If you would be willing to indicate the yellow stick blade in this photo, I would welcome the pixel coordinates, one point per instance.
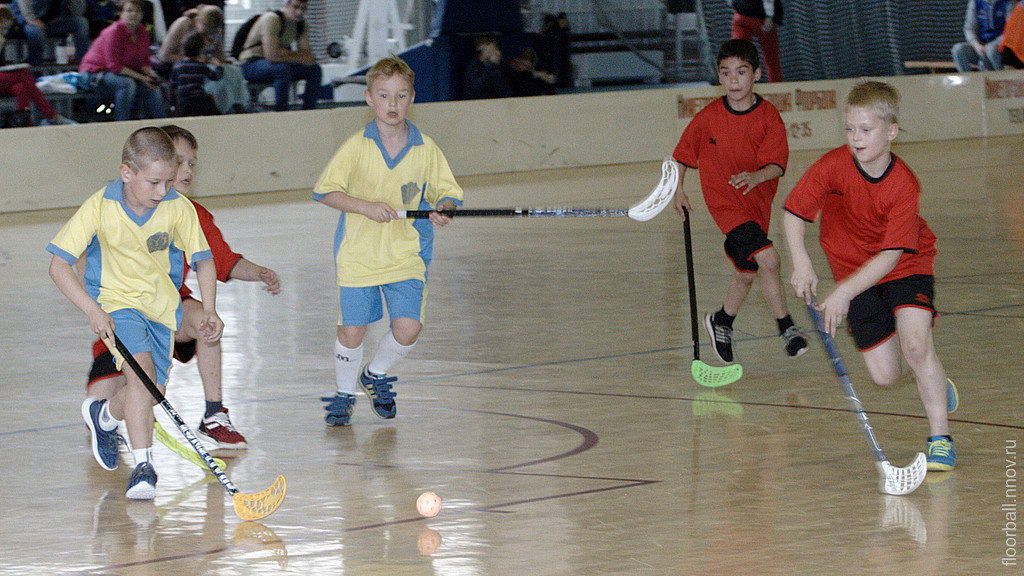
(712, 376)
(261, 504)
(178, 448)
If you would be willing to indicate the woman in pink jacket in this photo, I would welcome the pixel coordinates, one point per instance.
(118, 65)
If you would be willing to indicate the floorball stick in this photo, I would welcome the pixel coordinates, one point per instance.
(894, 480)
(178, 448)
(650, 207)
(703, 374)
(247, 506)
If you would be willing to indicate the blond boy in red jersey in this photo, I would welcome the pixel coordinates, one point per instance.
(882, 255)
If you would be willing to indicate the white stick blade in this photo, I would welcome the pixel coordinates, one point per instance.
(661, 196)
(900, 481)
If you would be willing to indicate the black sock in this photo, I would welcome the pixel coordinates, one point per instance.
(213, 407)
(723, 319)
(934, 438)
(784, 323)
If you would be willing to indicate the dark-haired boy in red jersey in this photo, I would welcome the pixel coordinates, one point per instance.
(739, 144)
(882, 256)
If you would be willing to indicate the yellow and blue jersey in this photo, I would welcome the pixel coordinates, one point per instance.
(369, 253)
(134, 261)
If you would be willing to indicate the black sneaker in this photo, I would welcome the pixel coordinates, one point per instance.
(721, 338)
(794, 341)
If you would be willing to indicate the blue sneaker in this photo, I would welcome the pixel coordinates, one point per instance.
(104, 442)
(378, 389)
(952, 397)
(941, 454)
(339, 408)
(142, 483)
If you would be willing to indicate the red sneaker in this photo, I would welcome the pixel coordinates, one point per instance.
(218, 431)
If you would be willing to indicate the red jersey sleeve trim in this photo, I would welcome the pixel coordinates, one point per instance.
(805, 219)
(783, 168)
(902, 249)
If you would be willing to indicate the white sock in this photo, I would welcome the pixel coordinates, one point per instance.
(106, 419)
(142, 455)
(346, 367)
(389, 352)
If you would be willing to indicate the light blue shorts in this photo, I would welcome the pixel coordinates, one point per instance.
(364, 306)
(140, 334)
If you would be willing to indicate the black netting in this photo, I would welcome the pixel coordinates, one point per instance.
(850, 38)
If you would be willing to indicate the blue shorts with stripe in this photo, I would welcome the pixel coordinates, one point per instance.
(364, 306)
(140, 334)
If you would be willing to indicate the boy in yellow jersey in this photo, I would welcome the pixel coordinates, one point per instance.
(387, 166)
(132, 231)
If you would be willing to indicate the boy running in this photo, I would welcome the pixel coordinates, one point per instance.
(882, 255)
(739, 144)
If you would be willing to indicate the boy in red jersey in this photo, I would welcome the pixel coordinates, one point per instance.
(739, 143)
(881, 252)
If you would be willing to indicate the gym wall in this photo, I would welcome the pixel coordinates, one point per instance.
(57, 167)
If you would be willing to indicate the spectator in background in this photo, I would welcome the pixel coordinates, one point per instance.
(983, 29)
(118, 66)
(229, 90)
(54, 18)
(19, 82)
(206, 20)
(187, 79)
(761, 19)
(553, 50)
(527, 80)
(1012, 47)
(486, 76)
(277, 50)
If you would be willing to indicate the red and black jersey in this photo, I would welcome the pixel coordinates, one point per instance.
(223, 257)
(721, 142)
(862, 216)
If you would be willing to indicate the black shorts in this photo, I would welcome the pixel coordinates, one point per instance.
(872, 316)
(103, 365)
(742, 242)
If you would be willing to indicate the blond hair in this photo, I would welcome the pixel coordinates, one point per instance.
(210, 15)
(389, 66)
(880, 97)
(148, 145)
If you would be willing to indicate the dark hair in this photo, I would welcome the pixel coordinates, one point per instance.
(179, 133)
(193, 44)
(742, 49)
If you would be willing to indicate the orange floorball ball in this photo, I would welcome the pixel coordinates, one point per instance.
(428, 504)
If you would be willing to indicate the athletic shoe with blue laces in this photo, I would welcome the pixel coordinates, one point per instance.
(339, 408)
(104, 442)
(952, 397)
(142, 483)
(378, 389)
(941, 454)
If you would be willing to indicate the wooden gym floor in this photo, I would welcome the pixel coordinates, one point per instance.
(548, 402)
